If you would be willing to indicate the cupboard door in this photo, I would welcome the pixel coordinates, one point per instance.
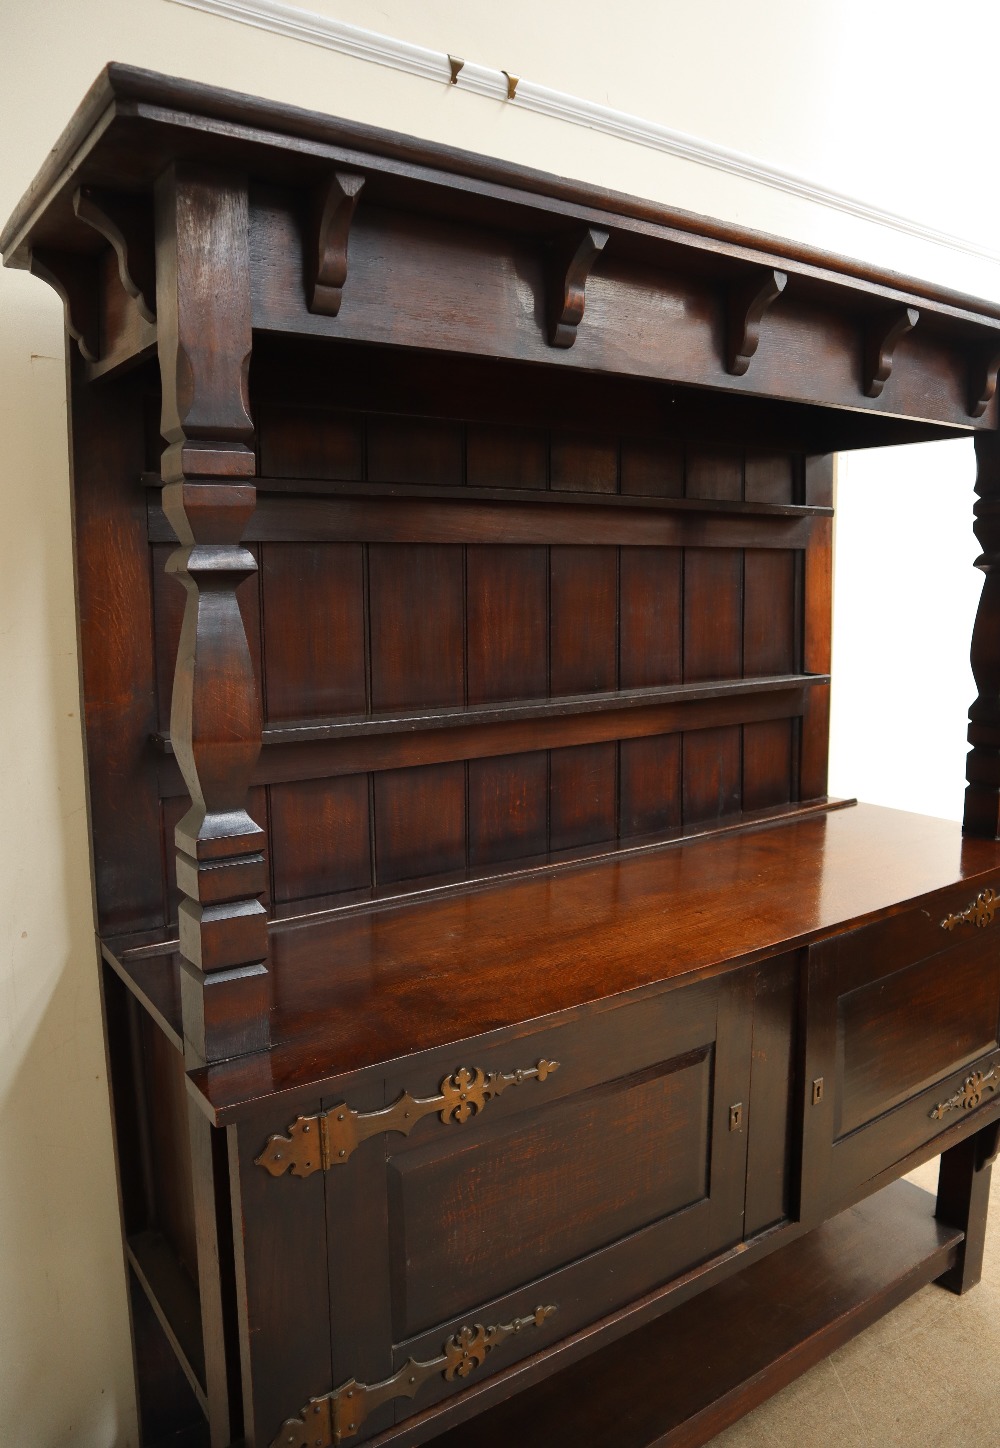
(903, 1040)
(536, 1186)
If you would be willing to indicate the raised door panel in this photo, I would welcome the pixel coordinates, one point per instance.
(903, 1020)
(514, 1193)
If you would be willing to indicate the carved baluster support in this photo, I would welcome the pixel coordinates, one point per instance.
(982, 798)
(204, 339)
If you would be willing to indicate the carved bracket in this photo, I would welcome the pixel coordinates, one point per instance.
(880, 344)
(970, 1094)
(72, 277)
(326, 262)
(316, 1143)
(569, 269)
(745, 308)
(127, 223)
(327, 1421)
(980, 913)
(983, 381)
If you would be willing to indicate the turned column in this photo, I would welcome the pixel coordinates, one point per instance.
(204, 343)
(982, 798)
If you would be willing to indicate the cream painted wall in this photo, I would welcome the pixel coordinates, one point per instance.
(890, 102)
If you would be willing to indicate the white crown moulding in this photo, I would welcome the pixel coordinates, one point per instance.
(306, 25)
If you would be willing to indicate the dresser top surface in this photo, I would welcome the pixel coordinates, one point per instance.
(357, 990)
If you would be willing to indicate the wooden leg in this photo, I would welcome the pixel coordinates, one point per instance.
(963, 1201)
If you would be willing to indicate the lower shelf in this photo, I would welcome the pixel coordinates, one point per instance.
(685, 1377)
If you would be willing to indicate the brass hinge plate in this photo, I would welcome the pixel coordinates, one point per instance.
(328, 1421)
(317, 1143)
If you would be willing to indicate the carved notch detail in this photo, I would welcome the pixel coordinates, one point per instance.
(127, 223)
(745, 308)
(335, 204)
(983, 382)
(327, 1421)
(316, 1143)
(569, 270)
(880, 344)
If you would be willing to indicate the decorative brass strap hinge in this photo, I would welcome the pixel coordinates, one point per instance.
(327, 1421)
(316, 1143)
(980, 913)
(970, 1093)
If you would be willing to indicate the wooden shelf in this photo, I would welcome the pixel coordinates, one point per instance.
(358, 989)
(521, 710)
(689, 1374)
(174, 1299)
(334, 487)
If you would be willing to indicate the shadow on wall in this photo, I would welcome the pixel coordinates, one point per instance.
(65, 1374)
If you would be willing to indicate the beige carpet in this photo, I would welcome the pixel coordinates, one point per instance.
(926, 1375)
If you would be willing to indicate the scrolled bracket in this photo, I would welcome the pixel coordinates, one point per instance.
(980, 913)
(326, 263)
(880, 345)
(326, 1422)
(127, 223)
(73, 278)
(746, 305)
(317, 1143)
(569, 268)
(983, 375)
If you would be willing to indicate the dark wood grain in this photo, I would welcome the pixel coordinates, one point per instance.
(712, 1359)
(518, 522)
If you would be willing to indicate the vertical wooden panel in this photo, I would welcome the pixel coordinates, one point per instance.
(320, 837)
(584, 463)
(416, 625)
(314, 645)
(507, 807)
(584, 605)
(769, 624)
(650, 785)
(713, 622)
(282, 1284)
(652, 468)
(508, 623)
(769, 1120)
(767, 763)
(307, 442)
(415, 450)
(769, 478)
(419, 821)
(815, 745)
(714, 473)
(819, 480)
(582, 795)
(651, 617)
(711, 773)
(506, 457)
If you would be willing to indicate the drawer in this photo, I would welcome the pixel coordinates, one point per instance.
(900, 1014)
(483, 1228)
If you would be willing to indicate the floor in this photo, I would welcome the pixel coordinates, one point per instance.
(926, 1375)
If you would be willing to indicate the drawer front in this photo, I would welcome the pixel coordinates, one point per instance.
(462, 1243)
(900, 1014)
